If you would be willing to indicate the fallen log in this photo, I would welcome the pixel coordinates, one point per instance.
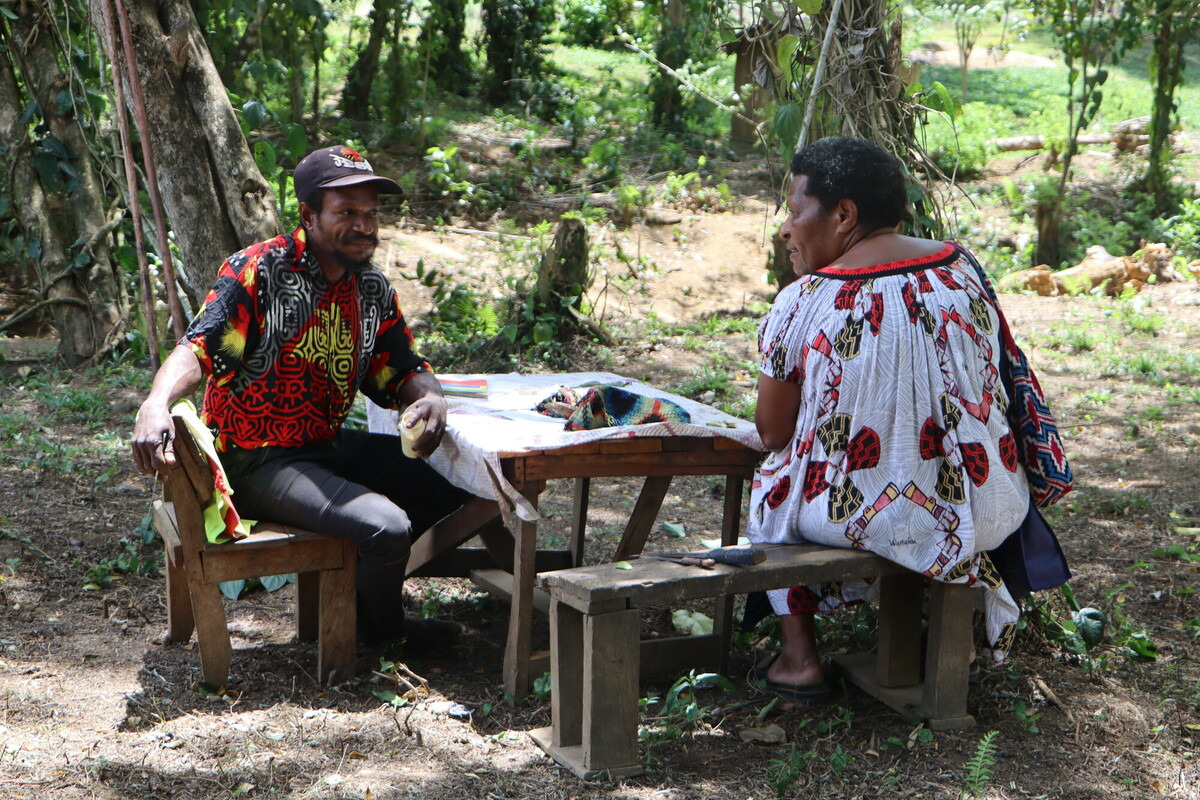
(1098, 269)
(1123, 141)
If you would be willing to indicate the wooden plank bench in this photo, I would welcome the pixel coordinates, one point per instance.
(597, 655)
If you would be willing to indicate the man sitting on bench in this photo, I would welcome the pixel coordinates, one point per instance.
(291, 330)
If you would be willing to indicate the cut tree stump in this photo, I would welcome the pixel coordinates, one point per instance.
(565, 264)
(564, 273)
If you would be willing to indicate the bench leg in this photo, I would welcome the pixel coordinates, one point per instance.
(180, 619)
(566, 674)
(212, 633)
(948, 655)
(594, 692)
(611, 660)
(308, 606)
(898, 655)
(338, 635)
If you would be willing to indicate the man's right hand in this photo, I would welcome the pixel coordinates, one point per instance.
(154, 439)
(154, 431)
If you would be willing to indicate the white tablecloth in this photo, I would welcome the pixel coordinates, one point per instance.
(478, 429)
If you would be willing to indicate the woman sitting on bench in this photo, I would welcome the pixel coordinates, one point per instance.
(881, 401)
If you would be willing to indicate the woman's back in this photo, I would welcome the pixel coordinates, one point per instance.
(901, 445)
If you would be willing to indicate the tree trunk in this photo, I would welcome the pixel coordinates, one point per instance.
(213, 192)
(231, 65)
(75, 268)
(565, 264)
(356, 96)
(1168, 52)
(667, 111)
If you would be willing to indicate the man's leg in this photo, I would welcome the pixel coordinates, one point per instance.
(377, 462)
(300, 486)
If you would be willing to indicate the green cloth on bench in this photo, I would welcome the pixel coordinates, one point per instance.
(222, 523)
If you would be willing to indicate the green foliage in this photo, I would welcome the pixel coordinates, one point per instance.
(514, 33)
(1091, 635)
(269, 583)
(959, 144)
(681, 708)
(129, 560)
(603, 160)
(1182, 231)
(440, 46)
(1118, 219)
(594, 23)
(979, 767)
(786, 768)
(462, 321)
(686, 43)
(447, 175)
(1027, 717)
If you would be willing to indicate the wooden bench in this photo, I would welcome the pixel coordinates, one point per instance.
(597, 655)
(325, 568)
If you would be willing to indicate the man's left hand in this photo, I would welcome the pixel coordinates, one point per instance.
(425, 401)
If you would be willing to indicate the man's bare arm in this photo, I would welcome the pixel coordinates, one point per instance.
(153, 433)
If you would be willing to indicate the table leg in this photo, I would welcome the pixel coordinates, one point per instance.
(644, 514)
(579, 512)
(520, 620)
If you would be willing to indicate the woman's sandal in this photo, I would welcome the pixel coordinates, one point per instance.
(801, 694)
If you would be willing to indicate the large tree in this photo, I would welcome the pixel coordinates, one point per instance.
(54, 183)
(215, 196)
(1174, 25)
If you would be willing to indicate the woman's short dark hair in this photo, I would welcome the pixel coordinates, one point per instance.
(840, 168)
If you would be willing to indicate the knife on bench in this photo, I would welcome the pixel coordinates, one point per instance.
(738, 556)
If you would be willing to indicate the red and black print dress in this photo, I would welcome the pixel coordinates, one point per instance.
(901, 447)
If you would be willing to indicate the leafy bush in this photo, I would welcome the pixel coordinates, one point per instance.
(1183, 230)
(514, 33)
(960, 147)
(593, 23)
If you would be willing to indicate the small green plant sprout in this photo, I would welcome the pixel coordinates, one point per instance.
(1027, 717)
(786, 768)
(542, 686)
(400, 685)
(979, 767)
(100, 576)
(631, 202)
(1100, 397)
(681, 707)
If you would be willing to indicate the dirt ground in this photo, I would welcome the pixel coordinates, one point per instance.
(93, 705)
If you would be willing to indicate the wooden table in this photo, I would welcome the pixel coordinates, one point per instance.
(510, 561)
(658, 460)
(498, 445)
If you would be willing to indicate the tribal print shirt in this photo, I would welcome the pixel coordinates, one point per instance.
(286, 352)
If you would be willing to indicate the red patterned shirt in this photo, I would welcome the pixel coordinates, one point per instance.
(286, 351)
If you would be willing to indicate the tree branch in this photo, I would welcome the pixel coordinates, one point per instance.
(53, 301)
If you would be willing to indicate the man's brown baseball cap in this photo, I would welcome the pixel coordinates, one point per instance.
(333, 167)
